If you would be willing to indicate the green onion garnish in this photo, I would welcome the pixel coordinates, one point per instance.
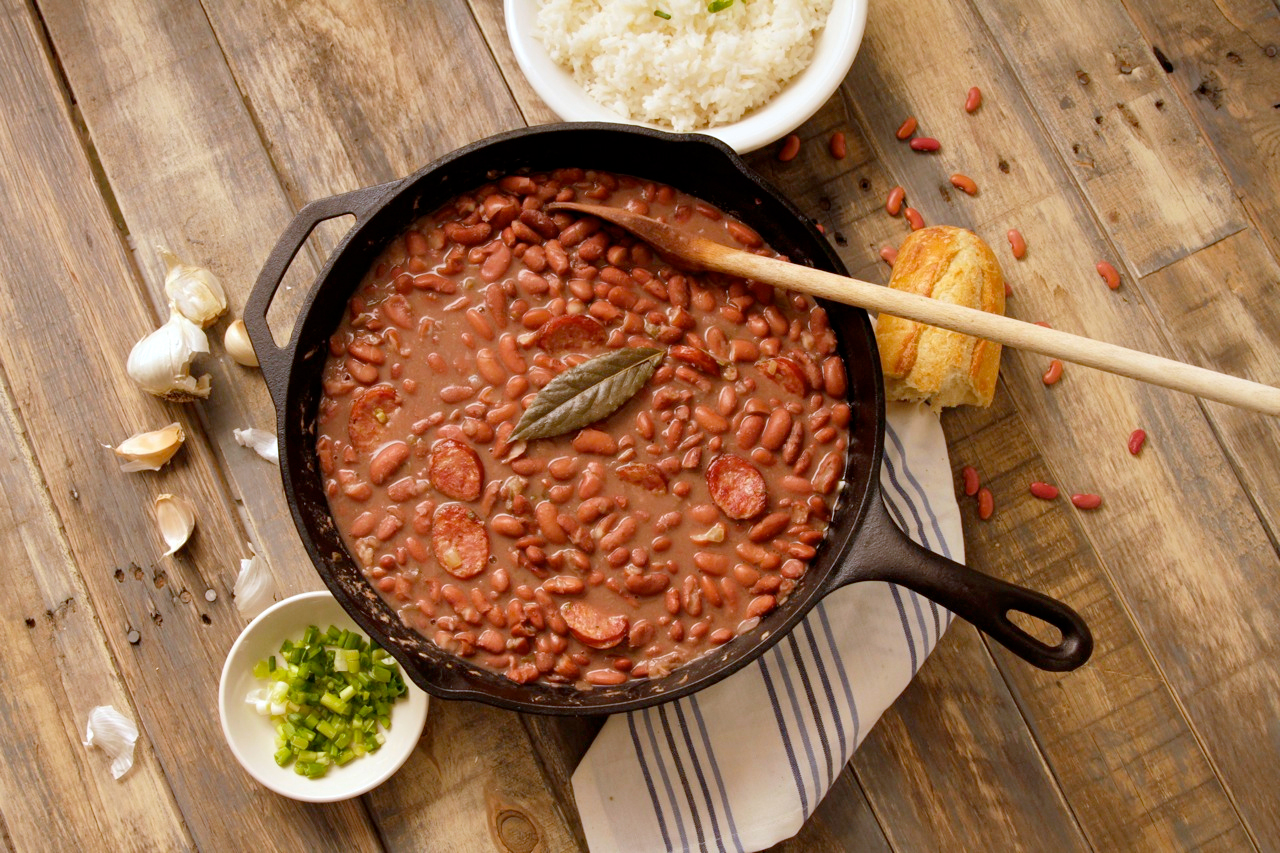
(327, 697)
(719, 5)
(666, 16)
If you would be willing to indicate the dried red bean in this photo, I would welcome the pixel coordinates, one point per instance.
(1109, 274)
(914, 218)
(964, 183)
(889, 255)
(1136, 440)
(790, 148)
(1054, 373)
(893, 202)
(970, 475)
(1017, 243)
(907, 128)
(986, 504)
(1086, 501)
(1044, 491)
(973, 100)
(925, 143)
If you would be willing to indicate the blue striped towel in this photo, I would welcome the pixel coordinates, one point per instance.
(742, 764)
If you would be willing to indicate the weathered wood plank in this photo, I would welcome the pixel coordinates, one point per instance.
(1223, 60)
(53, 793)
(64, 356)
(843, 821)
(489, 16)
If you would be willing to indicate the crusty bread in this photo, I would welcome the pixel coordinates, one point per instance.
(927, 363)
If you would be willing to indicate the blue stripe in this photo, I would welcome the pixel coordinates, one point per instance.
(666, 782)
(818, 722)
(906, 626)
(784, 671)
(840, 671)
(715, 770)
(924, 632)
(648, 780)
(786, 737)
(684, 779)
(924, 498)
(819, 664)
(921, 536)
(937, 621)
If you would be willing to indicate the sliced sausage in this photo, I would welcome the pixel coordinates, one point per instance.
(591, 627)
(701, 359)
(369, 416)
(786, 373)
(736, 487)
(643, 474)
(455, 470)
(459, 540)
(571, 333)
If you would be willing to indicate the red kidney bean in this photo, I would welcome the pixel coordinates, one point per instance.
(761, 605)
(838, 146)
(776, 429)
(833, 377)
(907, 128)
(970, 476)
(1109, 274)
(743, 234)
(720, 636)
(893, 202)
(595, 441)
(964, 183)
(1044, 491)
(1136, 439)
(790, 148)
(913, 218)
(986, 503)
(386, 461)
(1017, 243)
(925, 143)
(768, 527)
(1086, 501)
(710, 420)
(973, 100)
(1054, 373)
(363, 525)
(889, 255)
(743, 350)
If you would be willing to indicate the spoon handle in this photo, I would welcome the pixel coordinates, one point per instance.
(1019, 334)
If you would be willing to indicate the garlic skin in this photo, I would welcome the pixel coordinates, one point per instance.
(255, 589)
(161, 362)
(115, 734)
(177, 518)
(149, 451)
(238, 345)
(260, 441)
(193, 291)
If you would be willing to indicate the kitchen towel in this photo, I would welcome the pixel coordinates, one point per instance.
(740, 766)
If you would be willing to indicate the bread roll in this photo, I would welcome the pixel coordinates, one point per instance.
(927, 363)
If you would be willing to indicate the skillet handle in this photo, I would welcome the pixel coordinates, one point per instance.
(883, 552)
(275, 361)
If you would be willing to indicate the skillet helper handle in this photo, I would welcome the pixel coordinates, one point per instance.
(979, 599)
(274, 360)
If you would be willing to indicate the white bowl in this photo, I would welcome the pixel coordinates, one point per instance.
(252, 736)
(784, 112)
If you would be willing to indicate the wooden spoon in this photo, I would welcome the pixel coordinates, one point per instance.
(701, 253)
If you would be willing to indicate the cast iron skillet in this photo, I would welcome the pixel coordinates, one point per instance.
(862, 542)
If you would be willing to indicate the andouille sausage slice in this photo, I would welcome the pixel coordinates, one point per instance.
(643, 474)
(369, 416)
(737, 487)
(591, 627)
(786, 373)
(455, 470)
(571, 333)
(459, 540)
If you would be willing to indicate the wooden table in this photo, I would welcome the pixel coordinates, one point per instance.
(1146, 133)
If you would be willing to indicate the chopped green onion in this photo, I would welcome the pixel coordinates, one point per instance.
(327, 696)
(719, 5)
(658, 13)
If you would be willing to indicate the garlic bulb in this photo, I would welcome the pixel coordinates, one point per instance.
(238, 345)
(255, 589)
(161, 362)
(148, 451)
(177, 519)
(260, 441)
(115, 734)
(193, 291)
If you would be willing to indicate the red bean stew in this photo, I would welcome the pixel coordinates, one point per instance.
(617, 551)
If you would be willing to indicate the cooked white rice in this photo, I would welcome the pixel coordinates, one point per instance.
(696, 70)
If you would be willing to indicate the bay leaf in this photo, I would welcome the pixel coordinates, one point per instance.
(587, 393)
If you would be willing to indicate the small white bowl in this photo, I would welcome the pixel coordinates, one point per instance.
(784, 112)
(252, 736)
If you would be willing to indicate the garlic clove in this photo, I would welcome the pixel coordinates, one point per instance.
(255, 589)
(177, 519)
(260, 441)
(161, 362)
(193, 291)
(238, 345)
(149, 451)
(115, 734)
